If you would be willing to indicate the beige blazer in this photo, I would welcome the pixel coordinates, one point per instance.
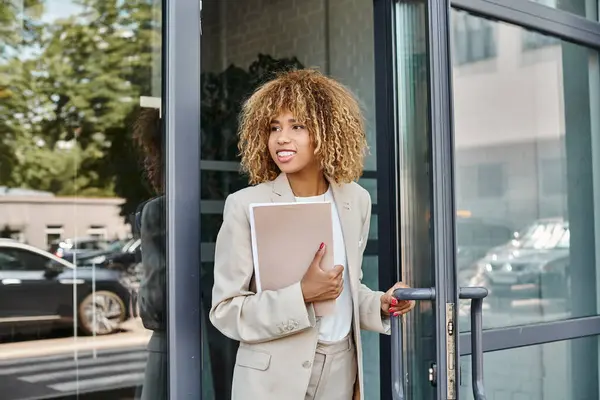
(277, 331)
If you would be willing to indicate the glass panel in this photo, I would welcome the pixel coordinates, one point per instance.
(243, 46)
(81, 150)
(566, 370)
(583, 8)
(415, 189)
(527, 152)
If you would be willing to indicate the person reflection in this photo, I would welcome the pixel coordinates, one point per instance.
(150, 220)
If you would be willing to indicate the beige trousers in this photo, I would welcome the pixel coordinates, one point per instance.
(334, 371)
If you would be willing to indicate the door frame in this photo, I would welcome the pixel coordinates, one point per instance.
(442, 206)
(387, 169)
(181, 29)
(524, 13)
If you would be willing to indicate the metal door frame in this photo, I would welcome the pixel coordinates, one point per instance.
(181, 102)
(440, 113)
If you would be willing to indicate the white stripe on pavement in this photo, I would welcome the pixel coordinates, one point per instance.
(69, 356)
(131, 379)
(75, 373)
(70, 363)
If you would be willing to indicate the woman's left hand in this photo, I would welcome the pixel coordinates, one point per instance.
(389, 305)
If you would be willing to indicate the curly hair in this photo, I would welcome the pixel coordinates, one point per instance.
(147, 135)
(329, 111)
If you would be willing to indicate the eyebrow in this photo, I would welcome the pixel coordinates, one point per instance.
(291, 120)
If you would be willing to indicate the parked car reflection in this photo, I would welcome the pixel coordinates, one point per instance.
(122, 256)
(37, 292)
(68, 249)
(474, 239)
(535, 265)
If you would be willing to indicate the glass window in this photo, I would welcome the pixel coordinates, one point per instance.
(473, 39)
(582, 8)
(490, 180)
(9, 262)
(532, 40)
(538, 372)
(553, 177)
(81, 151)
(243, 47)
(530, 126)
(30, 261)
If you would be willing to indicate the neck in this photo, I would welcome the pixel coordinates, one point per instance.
(305, 185)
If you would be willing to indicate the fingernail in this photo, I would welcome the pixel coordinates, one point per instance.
(397, 313)
(390, 310)
(321, 246)
(394, 301)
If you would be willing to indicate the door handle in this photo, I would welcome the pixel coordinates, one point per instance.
(11, 281)
(398, 375)
(476, 295)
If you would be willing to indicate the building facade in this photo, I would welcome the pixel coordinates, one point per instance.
(40, 220)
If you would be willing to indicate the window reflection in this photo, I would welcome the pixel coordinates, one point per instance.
(538, 372)
(74, 77)
(525, 158)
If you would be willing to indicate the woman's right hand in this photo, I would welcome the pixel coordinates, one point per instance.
(320, 285)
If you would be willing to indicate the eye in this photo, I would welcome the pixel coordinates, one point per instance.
(298, 127)
(275, 128)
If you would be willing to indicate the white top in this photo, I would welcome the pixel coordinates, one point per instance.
(335, 327)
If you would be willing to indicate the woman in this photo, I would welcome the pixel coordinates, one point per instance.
(302, 138)
(148, 135)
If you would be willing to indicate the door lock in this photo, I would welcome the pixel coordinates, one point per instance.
(450, 353)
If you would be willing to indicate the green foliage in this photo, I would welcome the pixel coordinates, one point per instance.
(67, 87)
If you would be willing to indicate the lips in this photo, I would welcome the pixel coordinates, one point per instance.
(285, 156)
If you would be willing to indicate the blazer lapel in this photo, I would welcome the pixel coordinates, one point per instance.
(282, 192)
(350, 229)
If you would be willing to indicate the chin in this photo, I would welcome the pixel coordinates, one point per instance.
(288, 169)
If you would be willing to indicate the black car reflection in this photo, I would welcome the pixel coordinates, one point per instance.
(70, 249)
(536, 265)
(124, 257)
(40, 291)
(474, 239)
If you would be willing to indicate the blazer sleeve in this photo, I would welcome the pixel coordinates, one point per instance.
(369, 301)
(238, 312)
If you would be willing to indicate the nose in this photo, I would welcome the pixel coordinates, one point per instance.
(283, 138)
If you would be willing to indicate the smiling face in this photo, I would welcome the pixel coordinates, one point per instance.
(291, 146)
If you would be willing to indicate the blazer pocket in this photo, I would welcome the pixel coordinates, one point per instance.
(253, 359)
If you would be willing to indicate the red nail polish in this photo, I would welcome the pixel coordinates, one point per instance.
(390, 310)
(394, 301)
(321, 246)
(397, 313)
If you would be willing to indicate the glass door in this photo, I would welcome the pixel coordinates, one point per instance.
(495, 123)
(427, 213)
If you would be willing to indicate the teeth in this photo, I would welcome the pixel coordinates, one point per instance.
(285, 153)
